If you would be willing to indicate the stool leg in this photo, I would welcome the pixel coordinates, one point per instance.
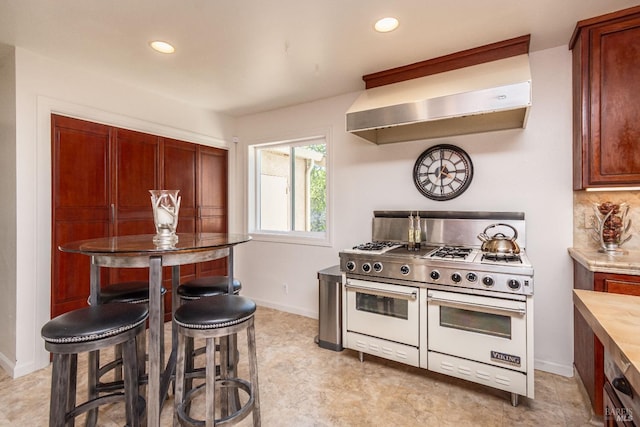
(224, 374)
(253, 373)
(117, 351)
(130, 368)
(189, 364)
(141, 343)
(94, 365)
(60, 377)
(232, 363)
(73, 378)
(210, 414)
(179, 380)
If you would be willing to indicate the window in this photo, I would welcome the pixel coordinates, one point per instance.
(288, 191)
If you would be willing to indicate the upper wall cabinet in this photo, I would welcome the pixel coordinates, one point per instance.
(606, 100)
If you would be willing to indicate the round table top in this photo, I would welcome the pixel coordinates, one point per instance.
(142, 244)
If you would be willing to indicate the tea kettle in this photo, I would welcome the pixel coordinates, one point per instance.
(499, 243)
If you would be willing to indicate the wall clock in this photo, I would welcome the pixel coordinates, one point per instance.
(443, 172)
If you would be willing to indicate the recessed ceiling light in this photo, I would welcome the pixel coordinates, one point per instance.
(385, 25)
(162, 47)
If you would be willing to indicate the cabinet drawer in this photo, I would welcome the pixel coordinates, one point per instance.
(622, 287)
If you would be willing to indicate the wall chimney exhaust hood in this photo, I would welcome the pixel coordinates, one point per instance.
(486, 97)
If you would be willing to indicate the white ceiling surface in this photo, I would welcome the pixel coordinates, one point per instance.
(245, 56)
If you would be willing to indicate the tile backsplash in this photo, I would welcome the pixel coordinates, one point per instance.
(583, 210)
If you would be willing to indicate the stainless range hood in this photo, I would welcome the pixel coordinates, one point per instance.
(480, 98)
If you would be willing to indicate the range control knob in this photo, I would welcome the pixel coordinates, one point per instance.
(472, 277)
(366, 267)
(435, 275)
(456, 277)
(488, 281)
(377, 267)
(513, 284)
(351, 265)
(404, 269)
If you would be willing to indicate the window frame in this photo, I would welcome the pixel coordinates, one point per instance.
(253, 193)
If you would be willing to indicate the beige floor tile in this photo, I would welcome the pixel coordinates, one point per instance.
(302, 385)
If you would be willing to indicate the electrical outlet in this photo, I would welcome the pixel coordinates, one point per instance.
(285, 288)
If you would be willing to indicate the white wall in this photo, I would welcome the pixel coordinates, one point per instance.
(517, 170)
(44, 86)
(8, 197)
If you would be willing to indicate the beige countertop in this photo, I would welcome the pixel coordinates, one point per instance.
(615, 320)
(592, 260)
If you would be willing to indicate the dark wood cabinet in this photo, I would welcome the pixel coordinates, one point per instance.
(81, 204)
(101, 177)
(606, 106)
(588, 352)
(212, 202)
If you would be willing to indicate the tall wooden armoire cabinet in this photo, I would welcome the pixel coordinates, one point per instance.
(100, 180)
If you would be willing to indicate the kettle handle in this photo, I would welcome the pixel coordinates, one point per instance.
(515, 232)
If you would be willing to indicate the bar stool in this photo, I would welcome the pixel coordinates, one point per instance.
(203, 287)
(86, 330)
(135, 292)
(218, 317)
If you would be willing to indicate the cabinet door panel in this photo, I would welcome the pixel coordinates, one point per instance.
(136, 172)
(615, 85)
(80, 204)
(179, 171)
(212, 201)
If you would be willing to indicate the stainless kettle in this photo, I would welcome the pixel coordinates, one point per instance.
(499, 243)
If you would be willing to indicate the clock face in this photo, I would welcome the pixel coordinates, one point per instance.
(443, 172)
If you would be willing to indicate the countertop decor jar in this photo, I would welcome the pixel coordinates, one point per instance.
(610, 225)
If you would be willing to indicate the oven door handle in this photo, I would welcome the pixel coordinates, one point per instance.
(478, 307)
(413, 295)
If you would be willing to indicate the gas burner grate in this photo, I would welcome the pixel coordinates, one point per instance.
(505, 258)
(374, 246)
(451, 252)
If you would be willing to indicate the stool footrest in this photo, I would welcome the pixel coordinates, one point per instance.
(228, 383)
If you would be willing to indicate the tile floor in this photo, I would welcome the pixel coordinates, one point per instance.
(303, 385)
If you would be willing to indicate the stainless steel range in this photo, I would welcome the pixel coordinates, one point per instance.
(461, 305)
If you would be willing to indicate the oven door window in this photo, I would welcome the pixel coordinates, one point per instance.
(385, 306)
(474, 321)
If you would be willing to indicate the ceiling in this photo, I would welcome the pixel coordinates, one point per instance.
(245, 56)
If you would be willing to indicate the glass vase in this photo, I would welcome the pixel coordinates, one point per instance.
(166, 205)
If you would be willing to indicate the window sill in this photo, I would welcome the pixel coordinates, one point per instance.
(290, 238)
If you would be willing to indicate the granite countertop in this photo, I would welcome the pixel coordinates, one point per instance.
(625, 263)
(614, 319)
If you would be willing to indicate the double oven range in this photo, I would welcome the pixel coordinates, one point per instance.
(448, 307)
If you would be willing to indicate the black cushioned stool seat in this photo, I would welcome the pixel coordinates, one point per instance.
(87, 330)
(207, 287)
(136, 292)
(216, 317)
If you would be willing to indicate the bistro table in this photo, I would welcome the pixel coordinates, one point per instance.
(140, 251)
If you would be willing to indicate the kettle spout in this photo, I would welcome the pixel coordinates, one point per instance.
(483, 237)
